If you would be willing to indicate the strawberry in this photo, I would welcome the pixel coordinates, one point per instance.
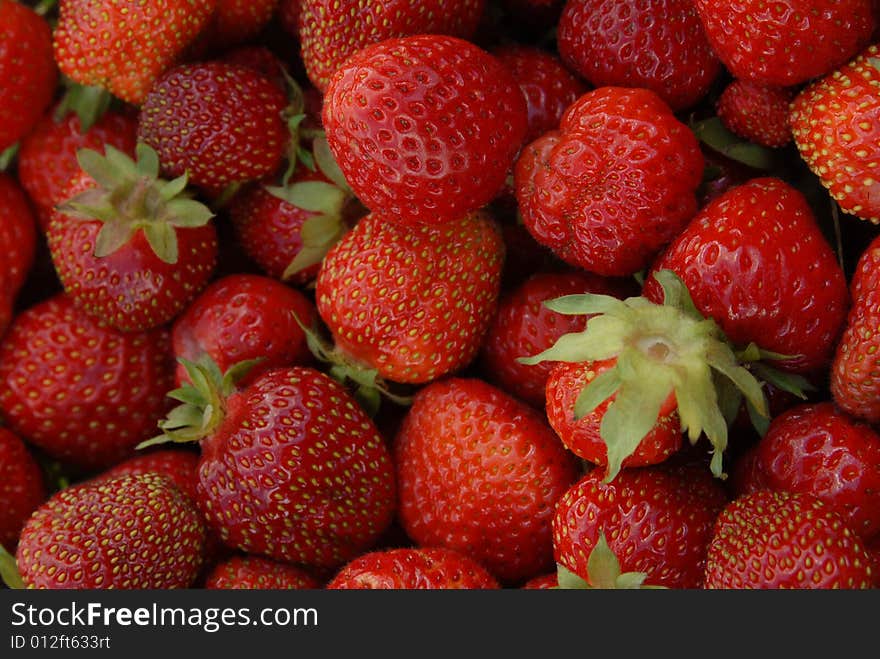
(659, 45)
(330, 31)
(656, 521)
(411, 303)
(260, 59)
(761, 232)
(836, 122)
(614, 184)
(122, 45)
(18, 242)
(291, 467)
(28, 74)
(129, 247)
(855, 386)
(177, 465)
(756, 112)
(523, 326)
(83, 392)
(258, 573)
(424, 128)
(241, 317)
(480, 472)
(133, 532)
(22, 487)
(548, 581)
(288, 16)
(786, 42)
(405, 568)
(234, 22)
(47, 158)
(784, 540)
(217, 122)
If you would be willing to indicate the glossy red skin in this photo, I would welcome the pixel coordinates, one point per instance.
(755, 260)
(240, 317)
(297, 471)
(257, 573)
(523, 327)
(133, 532)
(178, 465)
(785, 42)
(548, 86)
(261, 59)
(818, 449)
(836, 126)
(854, 384)
(28, 74)
(480, 472)
(83, 392)
(219, 122)
(543, 582)
(655, 521)
(236, 21)
(18, 242)
(412, 302)
(614, 185)
(47, 158)
(756, 112)
(424, 128)
(773, 540)
(330, 31)
(583, 437)
(132, 288)
(656, 44)
(417, 568)
(22, 487)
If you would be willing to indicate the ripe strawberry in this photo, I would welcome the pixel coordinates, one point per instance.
(756, 112)
(615, 184)
(18, 242)
(786, 42)
(242, 317)
(836, 124)
(542, 582)
(131, 248)
(234, 22)
(656, 521)
(177, 465)
(291, 467)
(28, 74)
(429, 568)
(756, 262)
(133, 532)
(656, 44)
(784, 540)
(411, 302)
(480, 472)
(258, 573)
(22, 487)
(260, 59)
(523, 326)
(424, 128)
(330, 31)
(47, 158)
(83, 392)
(123, 46)
(855, 386)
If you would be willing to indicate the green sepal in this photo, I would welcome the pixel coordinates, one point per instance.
(327, 163)
(89, 103)
(9, 571)
(600, 389)
(568, 580)
(715, 135)
(603, 569)
(312, 196)
(7, 157)
(875, 62)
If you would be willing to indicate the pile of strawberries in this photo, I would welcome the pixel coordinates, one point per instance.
(440, 294)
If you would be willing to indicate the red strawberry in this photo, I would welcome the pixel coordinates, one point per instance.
(615, 184)
(257, 573)
(27, 70)
(656, 44)
(784, 540)
(18, 242)
(217, 122)
(260, 59)
(756, 262)
(234, 22)
(836, 126)
(655, 521)
(424, 128)
(133, 532)
(22, 487)
(542, 582)
(480, 472)
(756, 112)
(83, 392)
(123, 46)
(131, 248)
(854, 384)
(786, 42)
(330, 31)
(177, 465)
(429, 568)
